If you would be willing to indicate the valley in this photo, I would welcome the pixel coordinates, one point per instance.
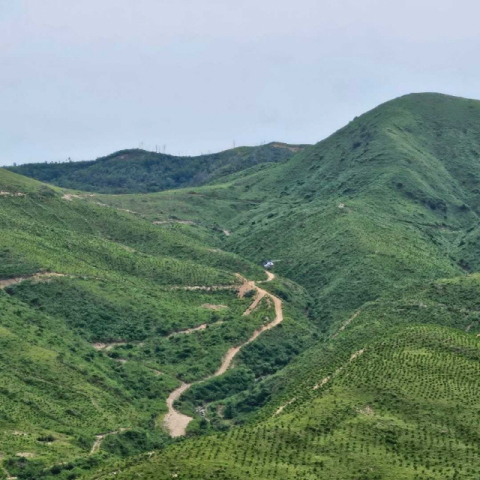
(142, 337)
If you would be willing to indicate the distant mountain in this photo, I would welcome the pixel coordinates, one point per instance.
(140, 171)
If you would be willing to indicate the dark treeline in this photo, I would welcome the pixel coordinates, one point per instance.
(140, 171)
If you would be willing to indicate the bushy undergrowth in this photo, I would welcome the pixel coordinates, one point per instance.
(400, 407)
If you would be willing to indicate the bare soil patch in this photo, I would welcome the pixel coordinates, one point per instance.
(367, 410)
(70, 196)
(345, 325)
(280, 409)
(12, 194)
(321, 383)
(211, 306)
(38, 277)
(99, 439)
(107, 346)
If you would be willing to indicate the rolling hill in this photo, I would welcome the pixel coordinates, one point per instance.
(388, 201)
(373, 372)
(140, 171)
(97, 309)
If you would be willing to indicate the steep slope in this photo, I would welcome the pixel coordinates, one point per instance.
(388, 201)
(380, 204)
(130, 171)
(102, 315)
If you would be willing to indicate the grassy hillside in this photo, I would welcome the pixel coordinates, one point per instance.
(95, 306)
(130, 171)
(386, 202)
(371, 375)
(393, 396)
(379, 205)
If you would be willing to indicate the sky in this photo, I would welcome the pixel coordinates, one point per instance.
(82, 79)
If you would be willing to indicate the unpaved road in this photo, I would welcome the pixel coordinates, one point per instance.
(176, 422)
(37, 277)
(187, 331)
(203, 287)
(270, 276)
(184, 222)
(99, 439)
(261, 293)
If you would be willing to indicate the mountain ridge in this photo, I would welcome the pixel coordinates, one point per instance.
(141, 171)
(373, 373)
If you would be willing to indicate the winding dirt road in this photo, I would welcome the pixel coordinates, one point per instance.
(175, 422)
(188, 331)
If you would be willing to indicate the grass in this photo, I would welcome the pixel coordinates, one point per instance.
(55, 384)
(373, 373)
(377, 418)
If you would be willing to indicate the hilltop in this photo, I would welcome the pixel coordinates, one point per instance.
(388, 201)
(141, 171)
(370, 368)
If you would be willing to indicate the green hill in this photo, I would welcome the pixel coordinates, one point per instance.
(381, 204)
(373, 373)
(91, 298)
(135, 170)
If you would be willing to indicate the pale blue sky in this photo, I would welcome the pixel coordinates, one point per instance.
(81, 79)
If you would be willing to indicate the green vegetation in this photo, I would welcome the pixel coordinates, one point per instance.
(54, 384)
(386, 202)
(100, 310)
(394, 395)
(373, 373)
(130, 171)
(91, 301)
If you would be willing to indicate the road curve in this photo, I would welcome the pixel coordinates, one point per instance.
(174, 421)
